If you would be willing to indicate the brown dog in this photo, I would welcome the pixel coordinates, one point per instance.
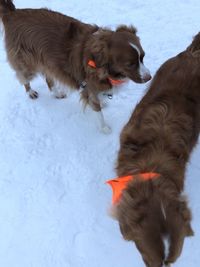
(157, 142)
(71, 52)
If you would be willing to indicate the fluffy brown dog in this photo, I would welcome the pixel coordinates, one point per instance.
(71, 52)
(158, 139)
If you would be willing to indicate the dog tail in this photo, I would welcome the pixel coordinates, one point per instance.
(6, 6)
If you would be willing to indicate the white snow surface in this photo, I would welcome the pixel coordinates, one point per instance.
(54, 160)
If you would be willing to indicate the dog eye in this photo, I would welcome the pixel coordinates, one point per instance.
(117, 74)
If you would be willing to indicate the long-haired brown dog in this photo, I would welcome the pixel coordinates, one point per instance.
(155, 146)
(71, 52)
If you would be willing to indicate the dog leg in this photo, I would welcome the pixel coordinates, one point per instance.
(50, 83)
(32, 94)
(57, 92)
(92, 99)
(24, 78)
(104, 127)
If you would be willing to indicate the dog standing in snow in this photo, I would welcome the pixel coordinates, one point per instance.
(155, 146)
(73, 53)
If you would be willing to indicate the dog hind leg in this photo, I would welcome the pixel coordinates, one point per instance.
(32, 94)
(57, 89)
(25, 78)
(50, 83)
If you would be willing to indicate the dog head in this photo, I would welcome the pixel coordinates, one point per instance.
(118, 55)
(181, 72)
(146, 216)
(127, 55)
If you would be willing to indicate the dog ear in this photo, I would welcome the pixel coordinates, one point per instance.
(178, 218)
(124, 28)
(72, 30)
(97, 51)
(195, 45)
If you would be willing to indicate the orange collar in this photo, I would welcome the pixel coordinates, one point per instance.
(92, 64)
(120, 183)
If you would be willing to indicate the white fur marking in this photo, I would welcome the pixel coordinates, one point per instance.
(59, 93)
(163, 211)
(60, 90)
(143, 71)
(104, 127)
(136, 48)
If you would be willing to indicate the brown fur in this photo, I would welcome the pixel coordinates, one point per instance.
(159, 137)
(195, 45)
(58, 46)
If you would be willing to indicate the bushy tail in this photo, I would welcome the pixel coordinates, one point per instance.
(6, 6)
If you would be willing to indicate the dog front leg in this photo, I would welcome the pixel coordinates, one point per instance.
(92, 99)
(104, 127)
(96, 106)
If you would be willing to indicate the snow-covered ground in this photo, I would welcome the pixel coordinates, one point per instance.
(54, 160)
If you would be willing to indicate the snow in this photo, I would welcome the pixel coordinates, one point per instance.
(54, 160)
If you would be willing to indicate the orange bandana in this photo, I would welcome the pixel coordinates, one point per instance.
(120, 183)
(92, 64)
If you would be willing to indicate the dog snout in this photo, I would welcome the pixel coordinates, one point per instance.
(144, 73)
(146, 77)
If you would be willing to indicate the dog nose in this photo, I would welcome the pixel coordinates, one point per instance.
(144, 73)
(147, 77)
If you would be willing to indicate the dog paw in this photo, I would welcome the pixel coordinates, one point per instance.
(60, 95)
(103, 104)
(33, 94)
(106, 129)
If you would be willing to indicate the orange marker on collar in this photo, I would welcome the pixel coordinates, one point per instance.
(120, 183)
(92, 64)
(116, 82)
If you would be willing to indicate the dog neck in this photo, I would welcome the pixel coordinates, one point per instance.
(113, 82)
